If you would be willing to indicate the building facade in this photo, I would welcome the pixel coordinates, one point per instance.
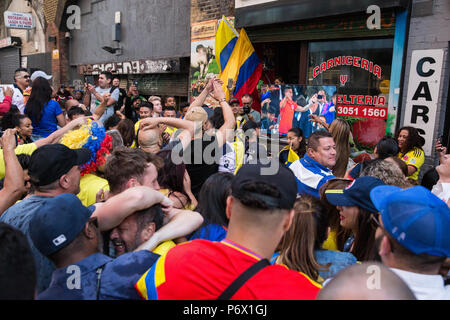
(366, 49)
(22, 46)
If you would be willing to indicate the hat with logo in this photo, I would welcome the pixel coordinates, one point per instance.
(414, 217)
(356, 194)
(41, 74)
(57, 222)
(272, 174)
(48, 163)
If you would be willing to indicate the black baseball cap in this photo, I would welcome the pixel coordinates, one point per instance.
(48, 163)
(272, 174)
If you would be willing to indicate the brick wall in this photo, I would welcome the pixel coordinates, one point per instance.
(429, 30)
(203, 10)
(60, 67)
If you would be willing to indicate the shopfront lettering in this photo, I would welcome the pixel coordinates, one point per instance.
(348, 61)
(130, 67)
(423, 92)
(361, 100)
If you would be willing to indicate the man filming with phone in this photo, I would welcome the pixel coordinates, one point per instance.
(247, 112)
(94, 96)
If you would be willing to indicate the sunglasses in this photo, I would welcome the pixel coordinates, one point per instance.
(26, 77)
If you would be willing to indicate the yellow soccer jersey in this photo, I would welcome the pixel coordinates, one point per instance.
(415, 158)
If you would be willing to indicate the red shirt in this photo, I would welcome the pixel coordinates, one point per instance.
(286, 116)
(202, 270)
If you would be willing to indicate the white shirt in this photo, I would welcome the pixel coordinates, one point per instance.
(18, 99)
(442, 190)
(425, 286)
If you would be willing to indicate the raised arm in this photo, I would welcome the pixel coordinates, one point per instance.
(185, 136)
(226, 131)
(57, 135)
(13, 186)
(199, 101)
(183, 222)
(112, 212)
(102, 107)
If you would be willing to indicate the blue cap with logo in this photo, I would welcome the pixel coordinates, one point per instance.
(414, 217)
(356, 194)
(57, 222)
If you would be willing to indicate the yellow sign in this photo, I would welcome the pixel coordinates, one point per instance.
(55, 54)
(384, 86)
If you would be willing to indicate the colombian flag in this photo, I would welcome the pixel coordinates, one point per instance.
(226, 38)
(292, 156)
(243, 66)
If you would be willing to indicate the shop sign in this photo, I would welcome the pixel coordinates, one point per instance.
(18, 20)
(131, 67)
(361, 106)
(348, 61)
(423, 93)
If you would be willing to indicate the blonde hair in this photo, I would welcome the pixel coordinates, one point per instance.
(154, 98)
(340, 130)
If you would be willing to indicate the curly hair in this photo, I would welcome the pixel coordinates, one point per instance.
(385, 171)
(414, 139)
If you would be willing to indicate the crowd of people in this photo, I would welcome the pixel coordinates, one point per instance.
(107, 194)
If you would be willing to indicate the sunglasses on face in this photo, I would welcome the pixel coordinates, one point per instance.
(26, 77)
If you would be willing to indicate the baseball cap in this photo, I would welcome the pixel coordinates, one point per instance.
(57, 222)
(234, 100)
(414, 217)
(41, 74)
(48, 163)
(196, 114)
(356, 194)
(283, 180)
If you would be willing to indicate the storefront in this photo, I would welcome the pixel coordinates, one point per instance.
(162, 77)
(298, 44)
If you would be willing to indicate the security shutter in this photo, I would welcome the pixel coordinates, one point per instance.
(9, 62)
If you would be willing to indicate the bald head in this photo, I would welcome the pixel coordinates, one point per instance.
(150, 139)
(366, 281)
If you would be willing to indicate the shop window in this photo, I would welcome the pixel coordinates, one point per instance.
(372, 67)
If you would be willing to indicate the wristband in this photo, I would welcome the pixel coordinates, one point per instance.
(222, 100)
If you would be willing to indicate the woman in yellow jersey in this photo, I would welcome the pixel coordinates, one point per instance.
(410, 145)
(301, 246)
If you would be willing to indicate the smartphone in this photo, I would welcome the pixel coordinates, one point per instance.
(319, 96)
(441, 139)
(89, 80)
(136, 83)
(230, 83)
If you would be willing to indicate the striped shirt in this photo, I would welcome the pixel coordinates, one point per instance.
(310, 175)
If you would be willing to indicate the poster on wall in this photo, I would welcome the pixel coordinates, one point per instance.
(203, 61)
(292, 106)
(367, 115)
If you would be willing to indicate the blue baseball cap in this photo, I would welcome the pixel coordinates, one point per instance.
(356, 194)
(414, 217)
(57, 222)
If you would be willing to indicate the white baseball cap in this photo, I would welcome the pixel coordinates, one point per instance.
(42, 74)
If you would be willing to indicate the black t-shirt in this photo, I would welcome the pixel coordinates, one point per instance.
(201, 161)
